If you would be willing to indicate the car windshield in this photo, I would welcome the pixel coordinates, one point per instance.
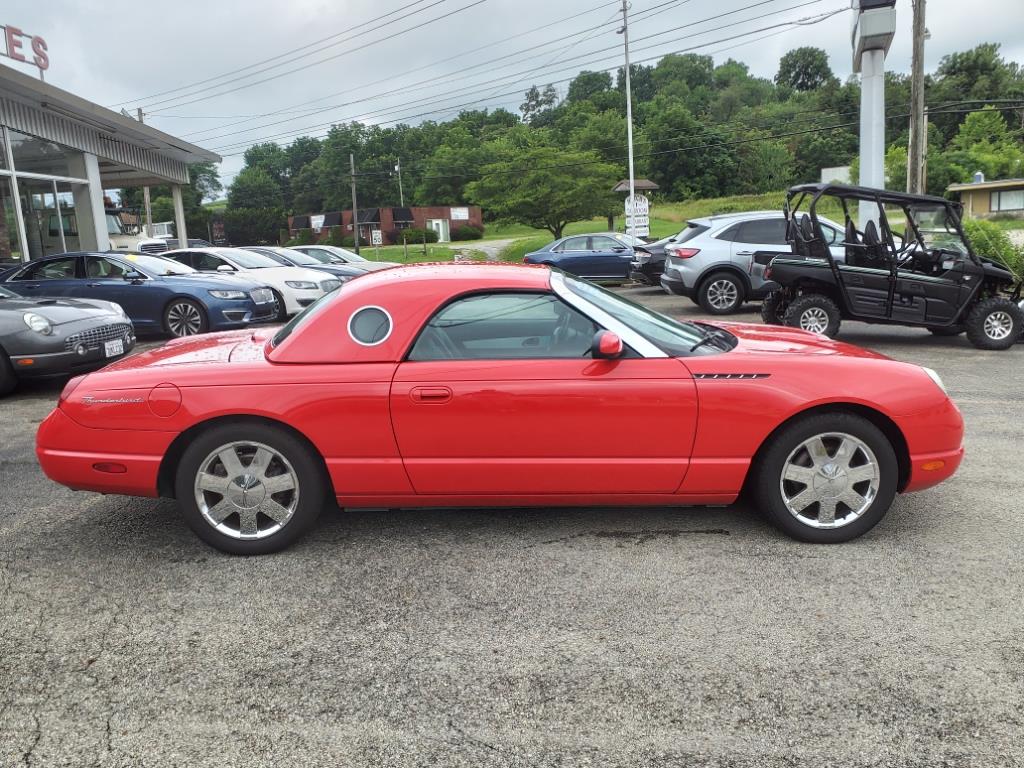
(158, 266)
(622, 237)
(936, 227)
(670, 336)
(246, 259)
(296, 257)
(344, 255)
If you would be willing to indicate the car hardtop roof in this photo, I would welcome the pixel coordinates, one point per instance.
(715, 218)
(870, 193)
(484, 274)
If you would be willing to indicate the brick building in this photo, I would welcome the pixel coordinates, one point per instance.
(443, 219)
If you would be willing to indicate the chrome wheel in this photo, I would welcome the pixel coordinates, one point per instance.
(723, 294)
(830, 480)
(184, 319)
(246, 490)
(998, 325)
(814, 319)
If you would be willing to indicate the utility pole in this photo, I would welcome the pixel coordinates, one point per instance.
(145, 201)
(401, 194)
(629, 99)
(355, 205)
(918, 124)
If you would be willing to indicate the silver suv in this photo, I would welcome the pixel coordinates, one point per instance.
(712, 260)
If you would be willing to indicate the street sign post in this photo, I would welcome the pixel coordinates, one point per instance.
(638, 220)
(376, 239)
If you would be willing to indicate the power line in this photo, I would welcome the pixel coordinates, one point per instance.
(510, 79)
(279, 56)
(346, 52)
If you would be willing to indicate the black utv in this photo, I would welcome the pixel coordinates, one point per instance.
(907, 262)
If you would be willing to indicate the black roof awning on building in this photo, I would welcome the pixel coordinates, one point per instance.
(300, 222)
(401, 214)
(332, 219)
(369, 215)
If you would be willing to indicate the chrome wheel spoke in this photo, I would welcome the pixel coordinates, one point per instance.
(232, 464)
(861, 473)
(260, 461)
(845, 452)
(827, 511)
(799, 474)
(804, 499)
(247, 524)
(853, 500)
(817, 451)
(214, 483)
(273, 510)
(220, 511)
(278, 483)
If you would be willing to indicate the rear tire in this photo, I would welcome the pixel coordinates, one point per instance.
(770, 309)
(814, 312)
(8, 381)
(995, 324)
(282, 310)
(827, 478)
(232, 504)
(721, 294)
(185, 317)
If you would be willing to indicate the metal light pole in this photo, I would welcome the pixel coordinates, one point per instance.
(146, 203)
(629, 98)
(355, 205)
(401, 194)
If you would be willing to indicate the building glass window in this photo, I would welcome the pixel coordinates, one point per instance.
(34, 155)
(10, 246)
(1011, 200)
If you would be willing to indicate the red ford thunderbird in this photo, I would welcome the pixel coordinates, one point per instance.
(501, 385)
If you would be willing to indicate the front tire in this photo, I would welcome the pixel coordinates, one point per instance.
(816, 313)
(249, 489)
(827, 478)
(995, 324)
(770, 314)
(185, 317)
(8, 381)
(281, 310)
(721, 294)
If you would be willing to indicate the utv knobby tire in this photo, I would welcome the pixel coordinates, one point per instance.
(980, 328)
(808, 303)
(770, 309)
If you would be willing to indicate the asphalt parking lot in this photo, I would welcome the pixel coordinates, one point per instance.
(581, 637)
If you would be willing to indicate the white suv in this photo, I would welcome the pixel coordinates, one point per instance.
(712, 260)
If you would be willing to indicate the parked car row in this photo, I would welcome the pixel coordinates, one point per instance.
(77, 311)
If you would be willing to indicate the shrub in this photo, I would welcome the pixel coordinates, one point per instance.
(349, 241)
(305, 236)
(990, 241)
(253, 226)
(335, 237)
(414, 235)
(283, 237)
(467, 232)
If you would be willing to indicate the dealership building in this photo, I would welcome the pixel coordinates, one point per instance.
(59, 152)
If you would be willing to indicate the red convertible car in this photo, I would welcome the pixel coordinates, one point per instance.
(501, 385)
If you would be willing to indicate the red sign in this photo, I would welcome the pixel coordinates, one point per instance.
(15, 42)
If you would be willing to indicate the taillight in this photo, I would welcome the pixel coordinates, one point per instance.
(683, 253)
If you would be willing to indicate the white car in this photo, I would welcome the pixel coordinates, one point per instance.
(295, 288)
(331, 254)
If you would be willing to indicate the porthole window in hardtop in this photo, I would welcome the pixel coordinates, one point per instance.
(369, 326)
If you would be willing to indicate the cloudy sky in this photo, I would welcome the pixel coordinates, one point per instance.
(227, 73)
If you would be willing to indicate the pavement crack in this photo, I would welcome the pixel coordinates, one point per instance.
(642, 536)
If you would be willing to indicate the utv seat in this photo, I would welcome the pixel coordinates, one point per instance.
(815, 244)
(874, 250)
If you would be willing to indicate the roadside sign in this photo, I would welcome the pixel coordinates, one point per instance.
(376, 237)
(638, 221)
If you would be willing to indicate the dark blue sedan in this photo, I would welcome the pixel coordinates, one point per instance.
(598, 256)
(286, 257)
(159, 295)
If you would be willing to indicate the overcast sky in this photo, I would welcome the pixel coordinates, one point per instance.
(113, 51)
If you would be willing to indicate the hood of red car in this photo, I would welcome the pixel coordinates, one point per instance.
(227, 346)
(761, 339)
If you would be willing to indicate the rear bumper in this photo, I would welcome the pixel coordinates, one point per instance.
(675, 285)
(67, 455)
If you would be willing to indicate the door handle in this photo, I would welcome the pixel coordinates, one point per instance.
(92, 285)
(744, 253)
(430, 394)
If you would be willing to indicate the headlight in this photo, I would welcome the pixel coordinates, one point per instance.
(301, 285)
(38, 323)
(936, 378)
(228, 294)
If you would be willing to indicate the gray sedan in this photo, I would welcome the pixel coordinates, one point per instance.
(42, 337)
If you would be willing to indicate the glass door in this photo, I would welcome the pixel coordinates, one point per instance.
(10, 244)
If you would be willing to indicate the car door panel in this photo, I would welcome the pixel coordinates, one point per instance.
(142, 300)
(551, 426)
(609, 258)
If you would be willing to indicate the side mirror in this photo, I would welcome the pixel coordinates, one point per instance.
(606, 346)
(133, 276)
(225, 268)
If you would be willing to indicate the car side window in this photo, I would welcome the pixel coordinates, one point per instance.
(729, 235)
(602, 243)
(206, 262)
(763, 231)
(575, 244)
(56, 269)
(505, 326)
(97, 266)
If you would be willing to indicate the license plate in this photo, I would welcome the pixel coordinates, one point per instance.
(113, 348)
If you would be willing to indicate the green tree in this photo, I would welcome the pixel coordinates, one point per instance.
(254, 188)
(271, 158)
(586, 85)
(984, 143)
(764, 166)
(804, 69)
(537, 101)
(307, 186)
(692, 159)
(545, 187)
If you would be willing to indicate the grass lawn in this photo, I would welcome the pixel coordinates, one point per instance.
(435, 252)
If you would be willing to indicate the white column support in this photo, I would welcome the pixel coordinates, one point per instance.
(89, 211)
(872, 128)
(179, 216)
